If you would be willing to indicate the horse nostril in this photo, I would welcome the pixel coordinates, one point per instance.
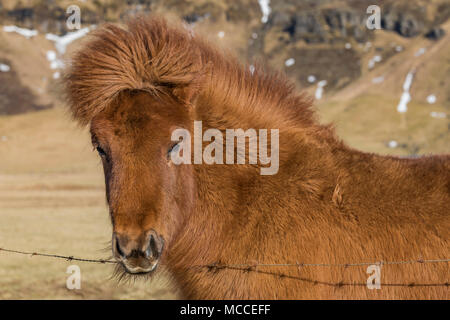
(155, 245)
(118, 250)
(152, 250)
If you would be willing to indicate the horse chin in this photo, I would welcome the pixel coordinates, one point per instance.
(124, 273)
(139, 270)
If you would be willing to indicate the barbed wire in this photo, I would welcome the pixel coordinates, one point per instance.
(344, 265)
(241, 266)
(252, 267)
(68, 258)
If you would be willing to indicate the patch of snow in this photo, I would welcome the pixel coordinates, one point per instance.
(311, 79)
(406, 96)
(254, 35)
(403, 104)
(398, 48)
(221, 34)
(56, 75)
(377, 80)
(408, 81)
(392, 144)
(252, 68)
(27, 33)
(420, 52)
(4, 67)
(319, 90)
(289, 62)
(265, 9)
(62, 42)
(55, 63)
(348, 45)
(51, 55)
(431, 99)
(440, 115)
(374, 60)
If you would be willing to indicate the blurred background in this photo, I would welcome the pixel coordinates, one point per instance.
(387, 91)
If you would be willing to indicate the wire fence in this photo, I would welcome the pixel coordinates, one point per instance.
(56, 256)
(243, 266)
(253, 267)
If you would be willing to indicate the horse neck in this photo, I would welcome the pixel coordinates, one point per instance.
(233, 98)
(221, 189)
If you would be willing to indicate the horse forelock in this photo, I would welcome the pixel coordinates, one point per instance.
(144, 55)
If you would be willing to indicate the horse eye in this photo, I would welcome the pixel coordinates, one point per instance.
(101, 152)
(173, 148)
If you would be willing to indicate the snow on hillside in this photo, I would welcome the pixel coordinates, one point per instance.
(374, 60)
(289, 62)
(431, 99)
(61, 42)
(4, 67)
(377, 80)
(27, 33)
(319, 90)
(406, 96)
(435, 114)
(265, 9)
(55, 63)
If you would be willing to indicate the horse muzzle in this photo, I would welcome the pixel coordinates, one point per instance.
(138, 255)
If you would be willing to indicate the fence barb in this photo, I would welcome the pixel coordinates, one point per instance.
(246, 266)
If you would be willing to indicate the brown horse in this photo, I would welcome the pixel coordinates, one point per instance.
(326, 204)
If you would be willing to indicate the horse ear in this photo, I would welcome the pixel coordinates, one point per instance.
(190, 91)
(187, 93)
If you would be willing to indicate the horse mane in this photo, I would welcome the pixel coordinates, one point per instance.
(148, 54)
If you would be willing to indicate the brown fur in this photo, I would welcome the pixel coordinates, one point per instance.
(327, 204)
